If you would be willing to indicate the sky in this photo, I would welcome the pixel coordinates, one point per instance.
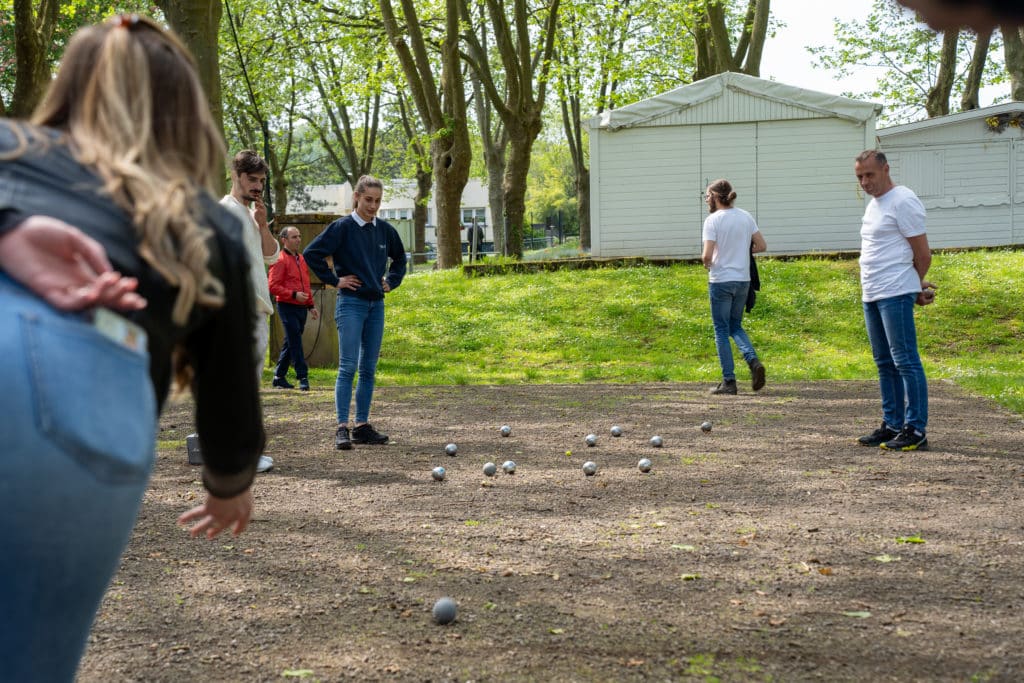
(786, 60)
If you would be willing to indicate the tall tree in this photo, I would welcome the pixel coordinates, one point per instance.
(442, 109)
(525, 55)
(1013, 48)
(716, 52)
(33, 34)
(197, 22)
(937, 102)
(976, 71)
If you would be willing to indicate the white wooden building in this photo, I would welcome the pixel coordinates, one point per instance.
(787, 151)
(968, 170)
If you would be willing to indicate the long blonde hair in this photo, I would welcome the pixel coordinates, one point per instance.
(129, 98)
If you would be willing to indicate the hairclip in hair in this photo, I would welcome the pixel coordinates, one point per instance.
(125, 20)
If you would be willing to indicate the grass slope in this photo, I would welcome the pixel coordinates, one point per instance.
(652, 324)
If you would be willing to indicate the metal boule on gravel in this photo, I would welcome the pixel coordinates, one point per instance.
(438, 473)
(644, 465)
(656, 441)
(444, 611)
(451, 449)
(505, 430)
(616, 430)
(589, 468)
(490, 469)
(591, 439)
(508, 467)
(705, 426)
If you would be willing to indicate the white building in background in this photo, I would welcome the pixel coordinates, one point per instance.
(397, 204)
(968, 170)
(787, 151)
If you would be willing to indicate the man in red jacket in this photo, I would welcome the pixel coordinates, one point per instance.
(289, 284)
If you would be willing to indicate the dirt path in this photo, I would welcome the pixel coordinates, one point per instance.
(771, 548)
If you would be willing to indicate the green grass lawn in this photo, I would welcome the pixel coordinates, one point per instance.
(650, 324)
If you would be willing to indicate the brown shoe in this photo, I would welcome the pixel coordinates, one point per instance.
(756, 374)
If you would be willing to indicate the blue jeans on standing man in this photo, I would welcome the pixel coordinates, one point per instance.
(890, 324)
(360, 332)
(293, 320)
(728, 300)
(79, 440)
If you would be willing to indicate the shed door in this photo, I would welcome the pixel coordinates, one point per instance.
(730, 151)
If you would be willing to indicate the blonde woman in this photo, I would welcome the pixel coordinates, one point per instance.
(122, 147)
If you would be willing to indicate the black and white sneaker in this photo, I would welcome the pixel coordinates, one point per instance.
(878, 437)
(909, 439)
(341, 439)
(367, 434)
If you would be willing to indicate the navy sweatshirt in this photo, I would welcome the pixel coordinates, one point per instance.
(360, 250)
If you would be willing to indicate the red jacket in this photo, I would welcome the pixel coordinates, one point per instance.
(287, 276)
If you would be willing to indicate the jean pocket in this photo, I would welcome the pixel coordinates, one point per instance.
(91, 397)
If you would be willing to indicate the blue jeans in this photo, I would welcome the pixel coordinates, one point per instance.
(79, 424)
(890, 324)
(293, 320)
(728, 300)
(360, 332)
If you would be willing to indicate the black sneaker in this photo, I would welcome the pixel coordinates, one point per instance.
(909, 439)
(367, 434)
(756, 375)
(303, 385)
(341, 439)
(878, 437)
(282, 383)
(727, 386)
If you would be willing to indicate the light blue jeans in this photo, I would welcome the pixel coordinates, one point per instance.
(360, 333)
(890, 324)
(728, 300)
(79, 423)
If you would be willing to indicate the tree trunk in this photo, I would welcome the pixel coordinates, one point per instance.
(1013, 50)
(514, 188)
(583, 205)
(969, 100)
(197, 23)
(758, 34)
(33, 33)
(938, 96)
(720, 51)
(495, 143)
(424, 183)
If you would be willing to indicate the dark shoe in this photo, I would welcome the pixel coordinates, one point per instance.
(282, 383)
(878, 437)
(727, 386)
(909, 439)
(341, 439)
(303, 385)
(756, 374)
(367, 434)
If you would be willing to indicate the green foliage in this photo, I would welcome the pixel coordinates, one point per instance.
(651, 324)
(907, 53)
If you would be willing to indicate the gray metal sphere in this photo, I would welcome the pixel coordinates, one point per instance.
(437, 473)
(490, 468)
(591, 439)
(644, 465)
(444, 611)
(451, 449)
(589, 468)
(616, 430)
(509, 467)
(705, 426)
(656, 441)
(505, 430)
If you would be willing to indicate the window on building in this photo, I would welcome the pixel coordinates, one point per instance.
(480, 214)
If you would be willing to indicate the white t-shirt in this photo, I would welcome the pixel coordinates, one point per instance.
(731, 231)
(254, 247)
(886, 259)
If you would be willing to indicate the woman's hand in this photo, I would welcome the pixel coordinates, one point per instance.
(218, 514)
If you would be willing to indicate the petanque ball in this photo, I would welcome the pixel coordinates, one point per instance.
(508, 467)
(438, 473)
(444, 611)
(591, 439)
(451, 449)
(705, 426)
(656, 441)
(589, 468)
(616, 430)
(644, 465)
(490, 468)
(505, 430)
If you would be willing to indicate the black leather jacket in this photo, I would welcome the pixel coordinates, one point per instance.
(46, 180)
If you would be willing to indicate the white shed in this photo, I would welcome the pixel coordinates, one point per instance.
(968, 169)
(787, 151)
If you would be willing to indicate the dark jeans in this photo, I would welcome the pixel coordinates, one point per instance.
(890, 324)
(293, 320)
